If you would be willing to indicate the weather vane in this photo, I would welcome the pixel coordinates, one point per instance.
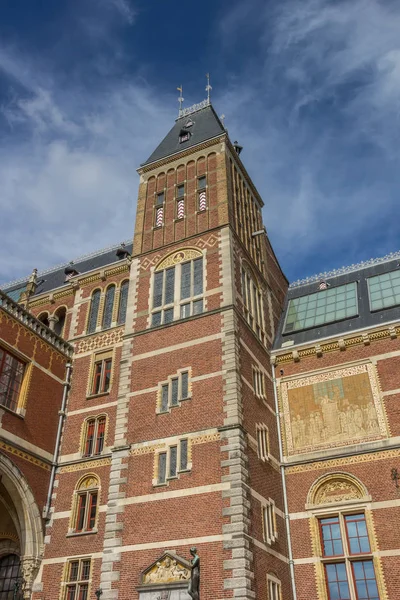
(208, 87)
(181, 98)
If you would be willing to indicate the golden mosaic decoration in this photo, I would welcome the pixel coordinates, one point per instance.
(177, 257)
(91, 464)
(24, 456)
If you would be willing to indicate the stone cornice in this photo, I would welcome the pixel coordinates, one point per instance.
(337, 343)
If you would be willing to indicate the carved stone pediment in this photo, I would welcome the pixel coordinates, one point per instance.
(169, 568)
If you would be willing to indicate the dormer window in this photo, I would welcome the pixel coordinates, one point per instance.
(70, 271)
(184, 136)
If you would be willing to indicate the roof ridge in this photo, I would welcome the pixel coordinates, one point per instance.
(64, 264)
(347, 269)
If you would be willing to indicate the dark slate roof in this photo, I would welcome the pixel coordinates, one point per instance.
(206, 125)
(55, 277)
(366, 318)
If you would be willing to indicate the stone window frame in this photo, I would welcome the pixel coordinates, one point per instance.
(253, 301)
(342, 510)
(25, 382)
(67, 572)
(274, 587)
(100, 355)
(166, 449)
(262, 436)
(87, 485)
(172, 260)
(269, 523)
(259, 383)
(168, 382)
(100, 312)
(84, 433)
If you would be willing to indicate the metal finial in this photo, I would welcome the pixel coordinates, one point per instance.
(208, 87)
(222, 117)
(181, 98)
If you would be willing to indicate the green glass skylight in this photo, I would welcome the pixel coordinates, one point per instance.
(384, 290)
(325, 306)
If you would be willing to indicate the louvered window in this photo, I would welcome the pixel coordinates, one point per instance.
(94, 311)
(108, 307)
(123, 302)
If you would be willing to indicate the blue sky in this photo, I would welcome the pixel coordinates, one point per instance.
(311, 89)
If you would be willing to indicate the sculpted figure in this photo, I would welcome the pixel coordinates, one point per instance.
(194, 583)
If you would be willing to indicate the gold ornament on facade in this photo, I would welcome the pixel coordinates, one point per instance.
(177, 257)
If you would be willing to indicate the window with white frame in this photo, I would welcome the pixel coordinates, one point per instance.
(269, 522)
(178, 291)
(253, 304)
(174, 391)
(274, 587)
(347, 557)
(262, 441)
(172, 461)
(258, 383)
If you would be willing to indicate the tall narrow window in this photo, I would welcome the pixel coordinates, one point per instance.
(159, 218)
(162, 467)
(202, 193)
(173, 392)
(183, 455)
(262, 442)
(346, 552)
(123, 302)
(269, 522)
(172, 462)
(192, 288)
(11, 375)
(94, 438)
(258, 383)
(163, 296)
(102, 374)
(274, 588)
(180, 201)
(9, 575)
(108, 307)
(86, 505)
(77, 579)
(253, 304)
(173, 457)
(94, 311)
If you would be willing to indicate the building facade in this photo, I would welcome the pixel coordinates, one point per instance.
(186, 346)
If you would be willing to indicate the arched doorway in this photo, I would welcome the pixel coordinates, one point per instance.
(21, 533)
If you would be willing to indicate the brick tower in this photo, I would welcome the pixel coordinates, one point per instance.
(170, 439)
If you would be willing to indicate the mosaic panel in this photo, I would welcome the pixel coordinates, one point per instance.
(332, 409)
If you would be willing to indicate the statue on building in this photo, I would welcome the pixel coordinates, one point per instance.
(194, 583)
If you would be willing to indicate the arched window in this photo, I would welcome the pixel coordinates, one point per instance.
(94, 311)
(123, 302)
(86, 504)
(253, 304)
(94, 436)
(108, 307)
(44, 318)
(178, 287)
(59, 325)
(9, 574)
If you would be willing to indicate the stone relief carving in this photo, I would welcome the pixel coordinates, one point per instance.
(337, 490)
(332, 409)
(167, 570)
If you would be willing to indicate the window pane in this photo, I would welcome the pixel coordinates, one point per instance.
(156, 319)
(85, 570)
(202, 182)
(185, 280)
(92, 510)
(83, 592)
(331, 537)
(97, 377)
(73, 572)
(94, 311)
(89, 438)
(123, 302)
(185, 311)
(184, 455)
(169, 315)
(11, 374)
(162, 466)
(174, 396)
(185, 384)
(158, 287)
(180, 191)
(384, 290)
(164, 398)
(198, 277)
(101, 427)
(173, 452)
(337, 582)
(106, 375)
(357, 534)
(160, 199)
(365, 581)
(197, 307)
(169, 285)
(108, 306)
(81, 512)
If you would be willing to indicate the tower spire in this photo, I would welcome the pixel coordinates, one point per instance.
(208, 87)
(181, 98)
